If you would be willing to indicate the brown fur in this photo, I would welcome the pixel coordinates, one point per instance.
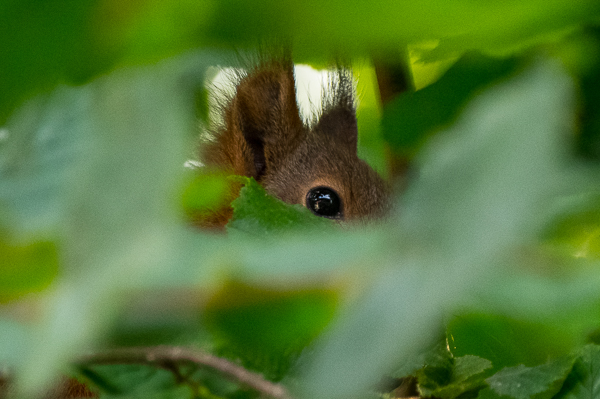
(263, 137)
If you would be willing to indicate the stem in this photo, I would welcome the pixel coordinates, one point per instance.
(164, 355)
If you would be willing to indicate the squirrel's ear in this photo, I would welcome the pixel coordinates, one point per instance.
(339, 113)
(340, 123)
(266, 113)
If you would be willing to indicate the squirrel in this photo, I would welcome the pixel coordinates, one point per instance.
(313, 164)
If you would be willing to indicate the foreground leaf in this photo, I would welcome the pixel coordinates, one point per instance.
(26, 268)
(267, 328)
(520, 382)
(479, 194)
(259, 214)
(460, 377)
(315, 25)
(584, 379)
(137, 381)
(103, 172)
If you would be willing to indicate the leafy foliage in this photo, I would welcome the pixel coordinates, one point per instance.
(494, 246)
(27, 269)
(408, 119)
(450, 377)
(583, 379)
(526, 382)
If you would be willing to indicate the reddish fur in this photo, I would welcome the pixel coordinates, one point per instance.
(71, 389)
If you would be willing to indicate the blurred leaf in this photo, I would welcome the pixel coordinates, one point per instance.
(480, 187)
(43, 43)
(371, 144)
(45, 144)
(114, 206)
(26, 268)
(579, 229)
(205, 192)
(259, 214)
(267, 328)
(483, 183)
(535, 308)
(589, 140)
(145, 31)
(413, 116)
(506, 342)
(48, 42)
(584, 379)
(520, 382)
(317, 26)
(137, 381)
(14, 340)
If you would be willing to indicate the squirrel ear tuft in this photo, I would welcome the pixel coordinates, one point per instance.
(339, 112)
(266, 113)
(341, 124)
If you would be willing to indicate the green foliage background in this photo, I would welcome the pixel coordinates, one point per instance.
(484, 282)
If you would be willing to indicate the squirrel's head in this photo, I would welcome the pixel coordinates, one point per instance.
(316, 164)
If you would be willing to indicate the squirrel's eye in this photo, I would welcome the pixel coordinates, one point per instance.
(323, 201)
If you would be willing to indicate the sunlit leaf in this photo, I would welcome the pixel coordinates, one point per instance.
(26, 268)
(317, 26)
(369, 116)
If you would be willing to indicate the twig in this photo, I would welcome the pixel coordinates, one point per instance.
(161, 355)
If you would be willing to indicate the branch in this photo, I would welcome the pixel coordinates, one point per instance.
(162, 355)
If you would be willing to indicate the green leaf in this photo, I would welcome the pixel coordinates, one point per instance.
(371, 145)
(206, 191)
(479, 194)
(43, 43)
(589, 140)
(259, 214)
(413, 116)
(506, 341)
(137, 381)
(26, 268)
(578, 231)
(266, 328)
(454, 26)
(584, 379)
(112, 195)
(447, 377)
(540, 382)
(437, 352)
(467, 375)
